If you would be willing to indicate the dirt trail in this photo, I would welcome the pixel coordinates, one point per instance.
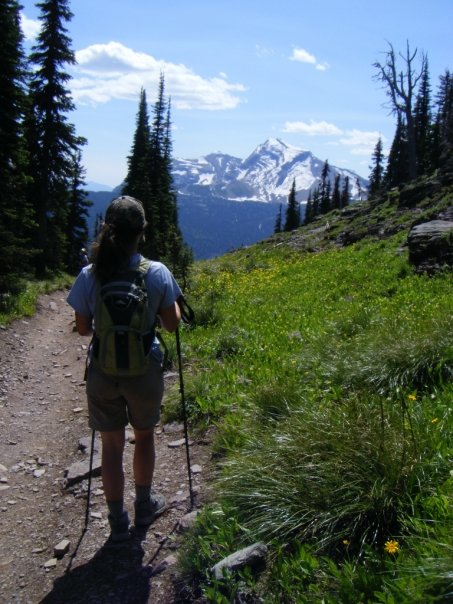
(42, 418)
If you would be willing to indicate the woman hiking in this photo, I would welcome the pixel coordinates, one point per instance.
(116, 400)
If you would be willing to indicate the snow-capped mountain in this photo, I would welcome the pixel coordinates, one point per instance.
(266, 175)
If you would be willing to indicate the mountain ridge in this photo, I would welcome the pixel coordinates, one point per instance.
(226, 202)
(265, 175)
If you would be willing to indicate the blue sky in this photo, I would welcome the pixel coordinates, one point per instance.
(241, 71)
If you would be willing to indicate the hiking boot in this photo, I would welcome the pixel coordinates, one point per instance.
(119, 528)
(147, 511)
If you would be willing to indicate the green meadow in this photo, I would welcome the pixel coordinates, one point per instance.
(327, 376)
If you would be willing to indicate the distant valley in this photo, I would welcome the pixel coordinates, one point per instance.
(225, 202)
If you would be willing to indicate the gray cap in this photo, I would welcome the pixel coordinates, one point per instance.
(126, 214)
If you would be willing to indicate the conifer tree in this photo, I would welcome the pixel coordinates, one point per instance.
(77, 217)
(423, 125)
(169, 206)
(359, 188)
(345, 193)
(53, 141)
(325, 189)
(336, 195)
(377, 170)
(157, 168)
(397, 164)
(445, 127)
(136, 183)
(316, 204)
(308, 210)
(292, 218)
(149, 179)
(278, 220)
(15, 211)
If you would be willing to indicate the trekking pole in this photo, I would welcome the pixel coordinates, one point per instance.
(90, 471)
(187, 316)
(184, 415)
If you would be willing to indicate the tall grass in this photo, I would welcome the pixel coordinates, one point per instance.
(328, 377)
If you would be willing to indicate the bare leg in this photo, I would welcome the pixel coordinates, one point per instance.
(144, 457)
(112, 464)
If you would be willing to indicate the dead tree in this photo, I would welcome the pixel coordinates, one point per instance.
(401, 88)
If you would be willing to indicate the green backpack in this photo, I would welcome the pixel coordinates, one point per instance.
(123, 330)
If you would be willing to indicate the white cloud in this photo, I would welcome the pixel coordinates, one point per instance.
(29, 27)
(302, 55)
(114, 71)
(357, 142)
(312, 129)
(262, 52)
(361, 142)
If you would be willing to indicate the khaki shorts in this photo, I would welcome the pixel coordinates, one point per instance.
(114, 402)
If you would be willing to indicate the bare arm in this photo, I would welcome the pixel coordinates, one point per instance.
(170, 317)
(84, 325)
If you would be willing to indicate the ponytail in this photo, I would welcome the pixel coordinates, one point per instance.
(111, 252)
(124, 222)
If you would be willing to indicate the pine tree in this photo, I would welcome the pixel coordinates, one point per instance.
(308, 210)
(325, 189)
(177, 254)
(377, 170)
(397, 164)
(345, 193)
(150, 180)
(292, 218)
(423, 125)
(53, 141)
(359, 188)
(77, 217)
(136, 183)
(445, 127)
(336, 195)
(15, 212)
(278, 220)
(316, 203)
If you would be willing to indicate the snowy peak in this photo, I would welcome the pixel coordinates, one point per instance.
(276, 149)
(265, 175)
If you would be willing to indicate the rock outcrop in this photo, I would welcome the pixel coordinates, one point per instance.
(431, 244)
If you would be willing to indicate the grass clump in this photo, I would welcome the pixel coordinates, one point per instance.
(21, 301)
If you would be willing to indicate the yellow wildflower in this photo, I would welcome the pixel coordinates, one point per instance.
(391, 547)
(345, 542)
(412, 397)
(434, 420)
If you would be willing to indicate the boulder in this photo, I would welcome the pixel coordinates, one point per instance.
(431, 245)
(80, 470)
(253, 556)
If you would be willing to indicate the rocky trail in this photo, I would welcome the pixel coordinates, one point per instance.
(46, 556)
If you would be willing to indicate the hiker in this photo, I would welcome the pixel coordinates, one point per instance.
(115, 400)
(84, 261)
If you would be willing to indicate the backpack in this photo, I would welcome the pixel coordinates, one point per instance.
(123, 329)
